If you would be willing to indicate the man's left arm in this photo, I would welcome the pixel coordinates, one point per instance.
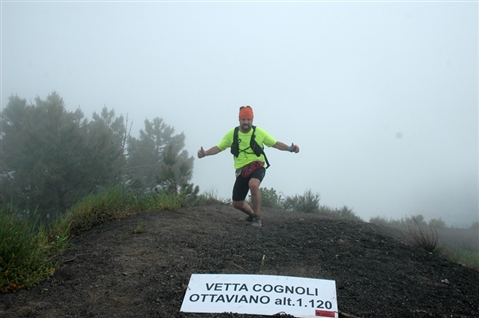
(282, 146)
(271, 142)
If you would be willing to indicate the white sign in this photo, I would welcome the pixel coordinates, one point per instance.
(261, 295)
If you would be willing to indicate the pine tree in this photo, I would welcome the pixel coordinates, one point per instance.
(51, 158)
(156, 159)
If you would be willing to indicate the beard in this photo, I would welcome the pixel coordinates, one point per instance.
(245, 127)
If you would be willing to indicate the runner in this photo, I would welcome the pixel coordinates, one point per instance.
(247, 146)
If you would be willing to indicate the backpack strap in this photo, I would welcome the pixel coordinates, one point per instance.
(235, 145)
(257, 149)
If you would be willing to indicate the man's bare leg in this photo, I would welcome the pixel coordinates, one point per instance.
(255, 198)
(243, 207)
(255, 195)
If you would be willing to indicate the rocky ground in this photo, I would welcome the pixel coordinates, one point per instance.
(112, 271)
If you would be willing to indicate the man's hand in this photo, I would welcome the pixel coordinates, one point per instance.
(293, 148)
(210, 152)
(201, 153)
(283, 147)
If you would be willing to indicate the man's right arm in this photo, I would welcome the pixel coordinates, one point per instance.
(210, 152)
(222, 145)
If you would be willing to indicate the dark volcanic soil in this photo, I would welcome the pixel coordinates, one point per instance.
(110, 271)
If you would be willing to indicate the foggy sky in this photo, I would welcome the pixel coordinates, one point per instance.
(382, 98)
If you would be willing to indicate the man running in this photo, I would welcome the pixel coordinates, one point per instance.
(247, 144)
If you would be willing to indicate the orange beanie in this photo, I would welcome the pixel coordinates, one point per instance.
(246, 112)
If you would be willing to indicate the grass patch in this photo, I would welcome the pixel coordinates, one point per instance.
(468, 258)
(139, 227)
(27, 248)
(462, 256)
(454, 244)
(25, 252)
(94, 209)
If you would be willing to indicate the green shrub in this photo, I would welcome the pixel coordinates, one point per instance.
(308, 202)
(139, 227)
(345, 213)
(206, 199)
(417, 219)
(270, 198)
(403, 223)
(438, 223)
(209, 197)
(168, 201)
(423, 236)
(378, 220)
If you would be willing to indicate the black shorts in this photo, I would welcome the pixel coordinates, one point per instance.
(241, 187)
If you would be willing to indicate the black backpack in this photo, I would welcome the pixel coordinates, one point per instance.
(257, 149)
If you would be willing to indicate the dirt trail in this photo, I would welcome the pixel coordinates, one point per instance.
(110, 271)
